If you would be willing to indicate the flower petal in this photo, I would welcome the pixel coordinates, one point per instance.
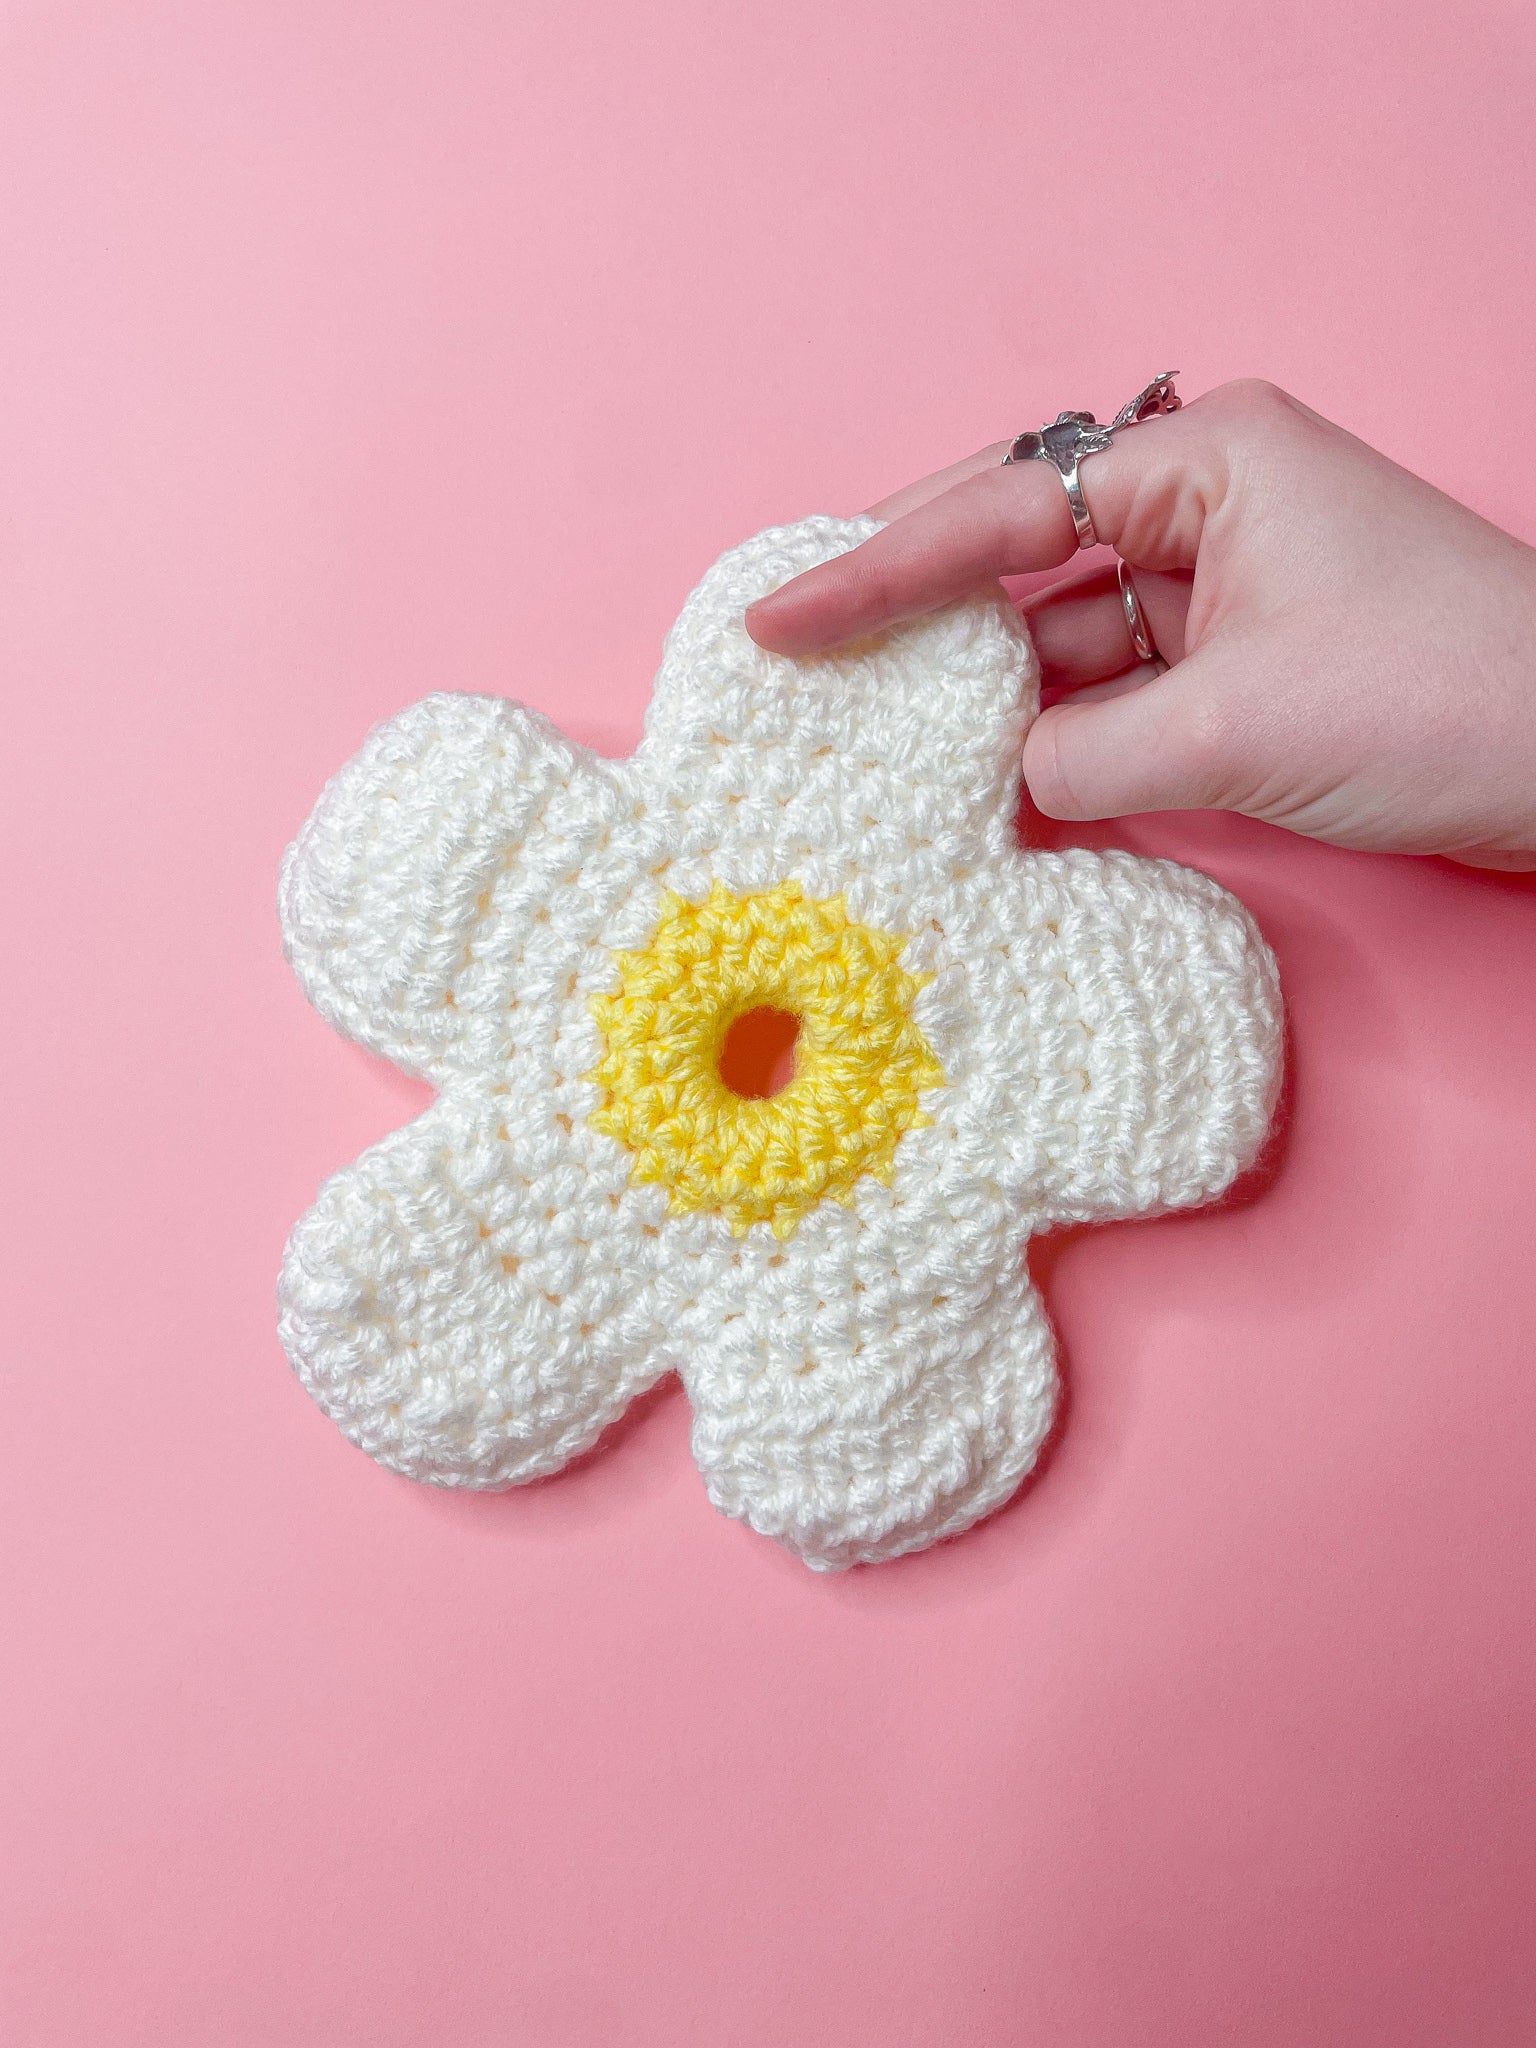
(474, 1308)
(898, 755)
(869, 1394)
(1126, 1041)
(466, 831)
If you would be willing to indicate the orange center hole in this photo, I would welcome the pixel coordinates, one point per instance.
(758, 1056)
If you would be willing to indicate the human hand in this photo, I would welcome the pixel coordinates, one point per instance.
(1353, 654)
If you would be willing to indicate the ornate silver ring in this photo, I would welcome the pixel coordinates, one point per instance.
(1073, 436)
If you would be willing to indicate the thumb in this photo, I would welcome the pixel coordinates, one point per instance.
(1158, 747)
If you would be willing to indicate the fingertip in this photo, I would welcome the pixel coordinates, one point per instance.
(780, 627)
(1049, 790)
(820, 608)
(1132, 747)
(758, 621)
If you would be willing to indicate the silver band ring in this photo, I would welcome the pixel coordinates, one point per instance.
(1073, 436)
(1135, 619)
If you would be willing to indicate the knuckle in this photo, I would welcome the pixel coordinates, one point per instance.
(1256, 402)
(1023, 500)
(991, 514)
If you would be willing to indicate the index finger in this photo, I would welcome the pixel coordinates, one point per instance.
(1149, 494)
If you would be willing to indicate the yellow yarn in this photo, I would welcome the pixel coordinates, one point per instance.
(860, 1060)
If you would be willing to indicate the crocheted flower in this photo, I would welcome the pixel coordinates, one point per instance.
(987, 1040)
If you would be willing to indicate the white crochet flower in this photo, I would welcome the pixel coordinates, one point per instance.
(991, 1041)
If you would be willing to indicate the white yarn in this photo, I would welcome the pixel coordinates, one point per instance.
(480, 1295)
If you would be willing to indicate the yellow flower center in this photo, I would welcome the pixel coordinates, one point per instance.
(860, 1061)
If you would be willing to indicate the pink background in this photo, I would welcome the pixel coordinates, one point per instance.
(352, 350)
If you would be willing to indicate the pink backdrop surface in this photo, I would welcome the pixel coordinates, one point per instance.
(348, 351)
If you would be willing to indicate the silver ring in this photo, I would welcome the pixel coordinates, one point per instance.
(1135, 620)
(1073, 436)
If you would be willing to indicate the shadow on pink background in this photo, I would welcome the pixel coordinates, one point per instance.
(348, 351)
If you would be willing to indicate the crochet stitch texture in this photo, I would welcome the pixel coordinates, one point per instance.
(991, 1040)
